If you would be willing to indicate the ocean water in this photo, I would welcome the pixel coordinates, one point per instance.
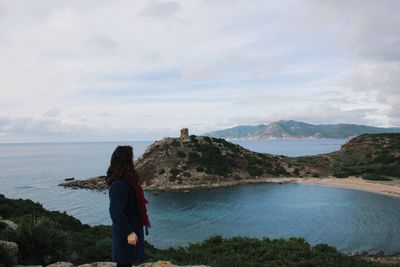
(350, 220)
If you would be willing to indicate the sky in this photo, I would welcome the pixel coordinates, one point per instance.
(100, 70)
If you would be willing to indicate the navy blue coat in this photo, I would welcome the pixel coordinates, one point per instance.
(125, 220)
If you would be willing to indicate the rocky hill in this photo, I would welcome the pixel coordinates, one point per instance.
(287, 129)
(369, 154)
(202, 160)
(176, 163)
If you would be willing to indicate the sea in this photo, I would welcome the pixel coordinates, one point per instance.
(350, 220)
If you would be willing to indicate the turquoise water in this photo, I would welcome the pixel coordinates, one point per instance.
(348, 219)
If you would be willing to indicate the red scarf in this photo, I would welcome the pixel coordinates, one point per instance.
(131, 178)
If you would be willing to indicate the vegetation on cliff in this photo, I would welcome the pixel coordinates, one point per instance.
(172, 163)
(46, 236)
(373, 156)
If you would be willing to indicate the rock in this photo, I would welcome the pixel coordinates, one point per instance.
(99, 264)
(7, 229)
(97, 183)
(166, 264)
(8, 253)
(113, 264)
(7, 224)
(61, 264)
(69, 179)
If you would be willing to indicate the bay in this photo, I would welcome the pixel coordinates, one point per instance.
(350, 220)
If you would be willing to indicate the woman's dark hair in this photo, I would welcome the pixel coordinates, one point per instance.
(121, 160)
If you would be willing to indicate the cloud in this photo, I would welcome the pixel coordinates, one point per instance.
(198, 73)
(3, 10)
(43, 127)
(150, 67)
(51, 113)
(161, 9)
(103, 43)
(370, 39)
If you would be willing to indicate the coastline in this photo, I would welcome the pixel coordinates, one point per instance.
(391, 188)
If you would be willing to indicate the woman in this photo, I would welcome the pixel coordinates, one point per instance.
(127, 208)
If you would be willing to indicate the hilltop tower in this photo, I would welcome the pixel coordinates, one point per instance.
(184, 135)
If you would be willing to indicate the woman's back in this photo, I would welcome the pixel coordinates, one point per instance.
(125, 217)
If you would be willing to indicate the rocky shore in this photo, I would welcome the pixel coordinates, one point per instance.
(187, 163)
(391, 188)
(95, 183)
(113, 264)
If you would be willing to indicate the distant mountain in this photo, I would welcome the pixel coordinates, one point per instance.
(289, 129)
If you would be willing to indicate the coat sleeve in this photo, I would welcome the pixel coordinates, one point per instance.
(118, 200)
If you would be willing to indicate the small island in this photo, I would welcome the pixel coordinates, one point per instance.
(200, 161)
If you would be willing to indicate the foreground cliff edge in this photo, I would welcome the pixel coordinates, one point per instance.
(201, 161)
(31, 235)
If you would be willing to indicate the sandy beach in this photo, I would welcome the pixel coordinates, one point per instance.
(391, 188)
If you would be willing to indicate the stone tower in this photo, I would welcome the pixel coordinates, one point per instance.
(185, 135)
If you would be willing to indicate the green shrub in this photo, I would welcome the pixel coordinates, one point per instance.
(386, 158)
(264, 252)
(279, 170)
(254, 170)
(161, 171)
(187, 174)
(200, 169)
(175, 143)
(341, 174)
(207, 139)
(40, 242)
(375, 177)
(180, 154)
(194, 157)
(175, 171)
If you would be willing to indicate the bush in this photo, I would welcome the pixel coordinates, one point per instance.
(187, 174)
(180, 154)
(375, 177)
(193, 138)
(40, 242)
(385, 158)
(194, 157)
(207, 139)
(280, 171)
(175, 143)
(200, 169)
(253, 252)
(161, 171)
(175, 171)
(341, 174)
(254, 170)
